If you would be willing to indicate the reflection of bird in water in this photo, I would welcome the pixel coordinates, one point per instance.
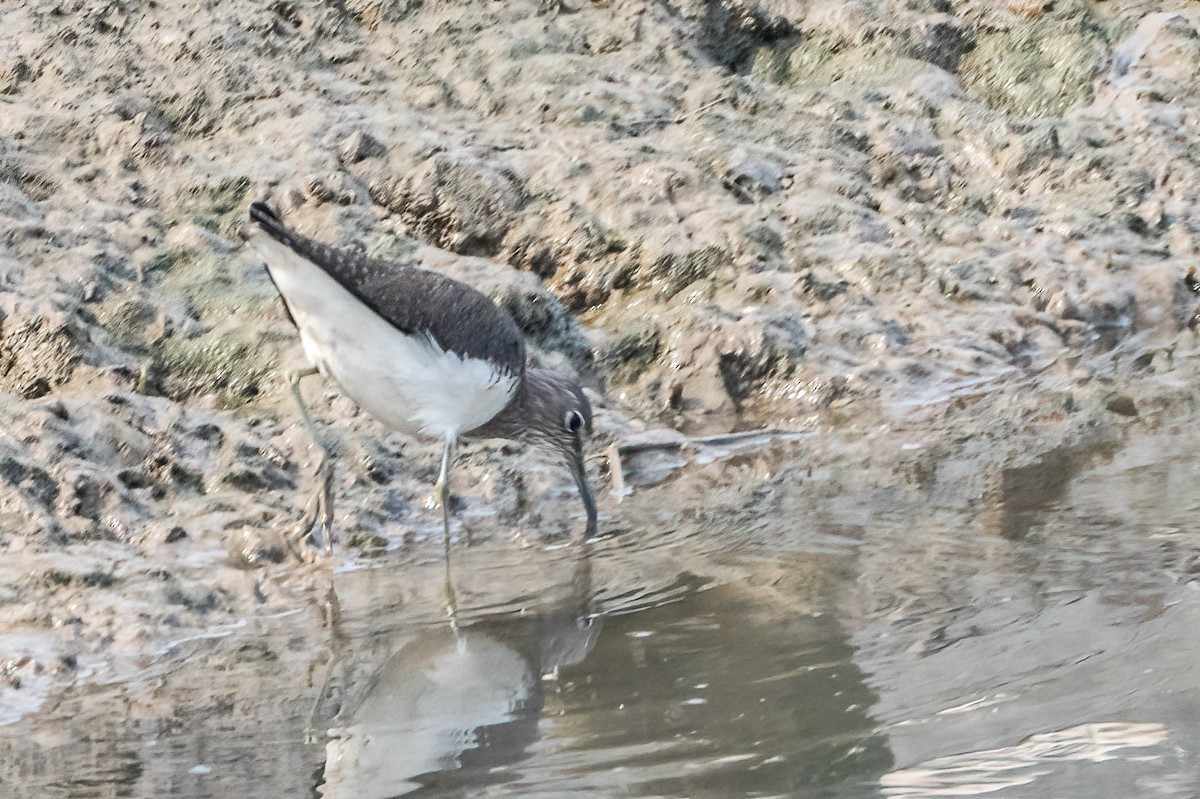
(470, 693)
(428, 706)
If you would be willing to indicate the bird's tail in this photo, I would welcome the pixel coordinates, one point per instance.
(270, 222)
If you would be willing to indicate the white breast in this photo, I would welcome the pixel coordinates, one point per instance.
(407, 382)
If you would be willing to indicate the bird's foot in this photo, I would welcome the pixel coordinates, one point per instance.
(304, 539)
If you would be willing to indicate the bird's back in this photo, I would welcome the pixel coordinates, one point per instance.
(415, 301)
(420, 351)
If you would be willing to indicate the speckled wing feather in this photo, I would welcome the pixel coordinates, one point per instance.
(414, 301)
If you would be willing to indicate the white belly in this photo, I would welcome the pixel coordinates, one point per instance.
(407, 382)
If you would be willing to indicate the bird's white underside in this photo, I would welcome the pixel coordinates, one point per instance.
(407, 382)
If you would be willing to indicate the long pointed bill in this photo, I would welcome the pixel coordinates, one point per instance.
(575, 461)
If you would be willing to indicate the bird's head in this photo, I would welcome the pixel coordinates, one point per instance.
(558, 415)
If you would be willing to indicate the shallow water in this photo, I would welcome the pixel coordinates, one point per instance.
(1033, 639)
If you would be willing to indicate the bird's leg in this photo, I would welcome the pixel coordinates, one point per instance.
(320, 505)
(443, 485)
(293, 378)
(325, 488)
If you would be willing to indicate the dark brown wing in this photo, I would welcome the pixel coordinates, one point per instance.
(414, 301)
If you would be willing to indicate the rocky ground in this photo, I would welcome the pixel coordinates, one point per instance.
(970, 221)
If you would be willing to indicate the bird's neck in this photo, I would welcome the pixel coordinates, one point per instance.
(515, 418)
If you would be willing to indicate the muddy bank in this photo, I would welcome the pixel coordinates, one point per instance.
(955, 224)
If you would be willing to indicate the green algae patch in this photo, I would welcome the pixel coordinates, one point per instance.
(218, 208)
(1041, 67)
(821, 64)
(675, 271)
(206, 340)
(231, 369)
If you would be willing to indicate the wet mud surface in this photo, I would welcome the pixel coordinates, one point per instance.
(941, 250)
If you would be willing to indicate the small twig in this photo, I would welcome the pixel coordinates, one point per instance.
(634, 447)
(616, 473)
(679, 119)
(614, 451)
(733, 438)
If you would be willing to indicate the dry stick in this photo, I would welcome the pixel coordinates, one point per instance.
(616, 474)
(657, 120)
(615, 450)
(681, 118)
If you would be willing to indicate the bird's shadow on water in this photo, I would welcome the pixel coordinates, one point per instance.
(449, 703)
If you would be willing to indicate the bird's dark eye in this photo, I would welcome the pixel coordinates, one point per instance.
(573, 421)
